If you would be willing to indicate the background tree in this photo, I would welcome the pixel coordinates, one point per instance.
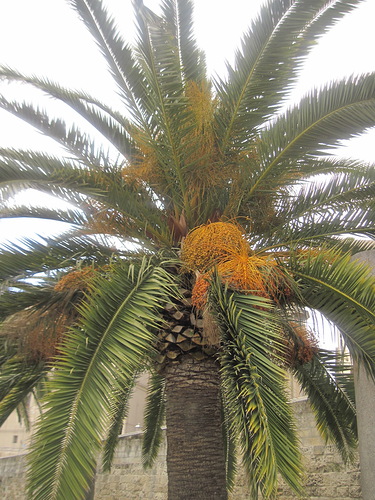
(191, 254)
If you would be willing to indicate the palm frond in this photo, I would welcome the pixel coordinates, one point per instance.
(338, 111)
(328, 382)
(23, 413)
(230, 445)
(354, 246)
(31, 256)
(17, 295)
(28, 169)
(267, 65)
(254, 386)
(119, 411)
(158, 54)
(323, 227)
(73, 140)
(343, 291)
(111, 342)
(154, 418)
(180, 13)
(72, 217)
(111, 124)
(341, 191)
(101, 193)
(124, 68)
(18, 377)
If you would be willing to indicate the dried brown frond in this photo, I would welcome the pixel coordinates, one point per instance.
(38, 333)
(178, 227)
(211, 332)
(76, 280)
(301, 346)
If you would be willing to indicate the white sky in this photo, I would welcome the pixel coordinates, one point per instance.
(45, 37)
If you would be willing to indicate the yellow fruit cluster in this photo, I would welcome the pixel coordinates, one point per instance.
(199, 291)
(221, 245)
(244, 272)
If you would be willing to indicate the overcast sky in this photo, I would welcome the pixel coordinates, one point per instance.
(45, 37)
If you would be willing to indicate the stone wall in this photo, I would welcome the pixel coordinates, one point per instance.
(326, 479)
(12, 478)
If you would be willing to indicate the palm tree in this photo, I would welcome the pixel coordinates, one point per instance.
(191, 253)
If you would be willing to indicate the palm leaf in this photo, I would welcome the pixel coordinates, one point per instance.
(19, 295)
(28, 169)
(343, 291)
(73, 217)
(18, 377)
(342, 109)
(127, 74)
(112, 340)
(112, 125)
(72, 139)
(118, 413)
(326, 380)
(341, 191)
(31, 256)
(158, 55)
(154, 418)
(179, 15)
(254, 388)
(94, 191)
(267, 65)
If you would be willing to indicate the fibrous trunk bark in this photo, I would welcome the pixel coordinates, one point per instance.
(195, 447)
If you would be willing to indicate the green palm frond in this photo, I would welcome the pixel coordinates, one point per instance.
(18, 377)
(230, 444)
(72, 217)
(118, 414)
(154, 419)
(111, 124)
(254, 386)
(133, 86)
(267, 65)
(21, 295)
(94, 191)
(343, 291)
(354, 246)
(328, 382)
(28, 169)
(324, 227)
(112, 340)
(71, 138)
(179, 15)
(343, 109)
(158, 55)
(31, 256)
(341, 191)
(23, 414)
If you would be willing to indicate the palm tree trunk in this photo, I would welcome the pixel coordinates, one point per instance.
(195, 448)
